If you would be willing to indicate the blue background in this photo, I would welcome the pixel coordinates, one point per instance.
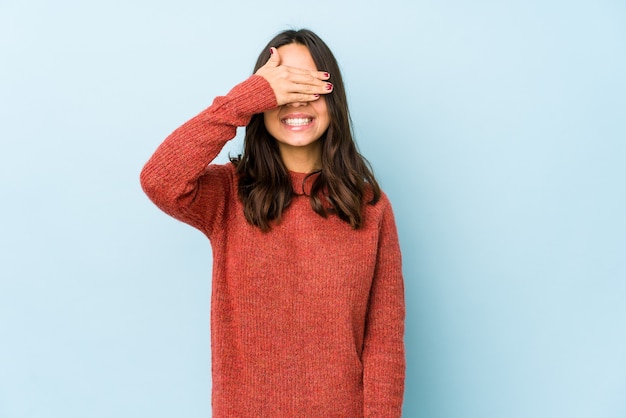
(497, 129)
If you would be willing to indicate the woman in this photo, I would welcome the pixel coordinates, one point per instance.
(307, 306)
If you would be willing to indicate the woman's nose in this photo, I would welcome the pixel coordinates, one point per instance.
(298, 104)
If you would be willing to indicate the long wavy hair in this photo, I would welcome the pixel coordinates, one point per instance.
(343, 184)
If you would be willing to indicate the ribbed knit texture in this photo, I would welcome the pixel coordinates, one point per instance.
(307, 320)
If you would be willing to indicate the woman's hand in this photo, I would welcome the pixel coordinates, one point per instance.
(292, 85)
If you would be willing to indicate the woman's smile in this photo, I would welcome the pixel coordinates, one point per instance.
(295, 121)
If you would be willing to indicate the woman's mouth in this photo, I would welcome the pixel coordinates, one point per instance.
(295, 122)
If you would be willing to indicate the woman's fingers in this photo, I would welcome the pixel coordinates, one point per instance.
(320, 75)
(310, 80)
(301, 98)
(299, 85)
(292, 84)
(293, 77)
(274, 60)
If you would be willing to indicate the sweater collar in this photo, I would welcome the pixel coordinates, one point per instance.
(303, 182)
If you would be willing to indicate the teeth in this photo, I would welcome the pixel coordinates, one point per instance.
(297, 121)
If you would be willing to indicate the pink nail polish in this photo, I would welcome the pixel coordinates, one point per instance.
(271, 51)
(329, 86)
(317, 96)
(326, 75)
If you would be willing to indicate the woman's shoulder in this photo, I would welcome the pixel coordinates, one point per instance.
(376, 206)
(222, 176)
(377, 198)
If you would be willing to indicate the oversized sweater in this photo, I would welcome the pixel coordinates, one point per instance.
(307, 320)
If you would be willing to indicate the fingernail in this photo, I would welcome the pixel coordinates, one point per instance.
(326, 75)
(329, 86)
(271, 51)
(317, 96)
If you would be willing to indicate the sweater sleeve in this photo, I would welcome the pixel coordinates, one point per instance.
(178, 178)
(383, 351)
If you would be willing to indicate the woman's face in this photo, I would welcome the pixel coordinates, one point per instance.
(298, 125)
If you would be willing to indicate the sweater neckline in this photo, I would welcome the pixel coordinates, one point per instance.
(302, 183)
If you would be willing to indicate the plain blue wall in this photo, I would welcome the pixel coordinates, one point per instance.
(498, 130)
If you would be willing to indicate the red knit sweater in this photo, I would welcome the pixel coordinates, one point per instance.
(307, 320)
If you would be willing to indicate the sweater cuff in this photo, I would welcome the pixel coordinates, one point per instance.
(252, 96)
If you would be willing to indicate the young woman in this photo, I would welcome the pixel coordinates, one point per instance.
(307, 306)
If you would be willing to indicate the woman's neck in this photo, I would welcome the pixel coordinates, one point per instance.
(301, 159)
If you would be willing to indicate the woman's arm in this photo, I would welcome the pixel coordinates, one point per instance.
(383, 351)
(176, 177)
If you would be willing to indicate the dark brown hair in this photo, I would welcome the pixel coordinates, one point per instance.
(343, 182)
